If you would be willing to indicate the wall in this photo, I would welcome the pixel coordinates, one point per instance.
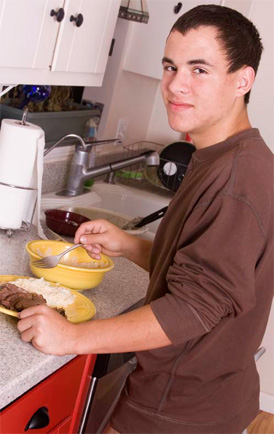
(104, 94)
(261, 108)
(265, 367)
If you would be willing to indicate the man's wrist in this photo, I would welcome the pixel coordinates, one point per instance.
(76, 339)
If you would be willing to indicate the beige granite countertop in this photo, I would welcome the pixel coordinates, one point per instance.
(22, 366)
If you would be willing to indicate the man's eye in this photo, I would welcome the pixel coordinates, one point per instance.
(169, 68)
(199, 71)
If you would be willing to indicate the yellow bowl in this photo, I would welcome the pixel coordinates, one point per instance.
(68, 275)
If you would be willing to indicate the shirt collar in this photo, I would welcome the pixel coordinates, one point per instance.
(219, 148)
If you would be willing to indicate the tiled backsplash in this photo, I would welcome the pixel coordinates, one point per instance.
(55, 176)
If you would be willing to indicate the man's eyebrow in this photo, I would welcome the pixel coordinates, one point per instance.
(167, 60)
(190, 62)
(199, 61)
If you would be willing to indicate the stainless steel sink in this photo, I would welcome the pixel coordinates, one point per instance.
(121, 199)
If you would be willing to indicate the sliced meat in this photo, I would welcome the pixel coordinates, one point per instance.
(15, 298)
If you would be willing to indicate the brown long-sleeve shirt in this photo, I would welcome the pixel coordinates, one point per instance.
(211, 290)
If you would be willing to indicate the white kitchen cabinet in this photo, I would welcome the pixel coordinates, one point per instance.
(36, 48)
(27, 33)
(145, 45)
(85, 48)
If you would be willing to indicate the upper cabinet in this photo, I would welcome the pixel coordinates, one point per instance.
(145, 44)
(27, 33)
(85, 36)
(63, 42)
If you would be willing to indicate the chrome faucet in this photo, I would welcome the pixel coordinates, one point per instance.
(83, 143)
(80, 172)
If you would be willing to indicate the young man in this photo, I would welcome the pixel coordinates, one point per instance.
(211, 263)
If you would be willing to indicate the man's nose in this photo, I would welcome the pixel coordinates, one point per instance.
(179, 84)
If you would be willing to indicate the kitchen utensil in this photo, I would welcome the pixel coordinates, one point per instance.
(82, 309)
(138, 222)
(53, 260)
(64, 222)
(75, 272)
(174, 160)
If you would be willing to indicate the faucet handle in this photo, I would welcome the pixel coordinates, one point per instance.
(82, 143)
(89, 142)
(75, 136)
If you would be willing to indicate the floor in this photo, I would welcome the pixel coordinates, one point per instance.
(263, 424)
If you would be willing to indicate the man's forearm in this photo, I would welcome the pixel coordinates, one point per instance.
(138, 330)
(51, 333)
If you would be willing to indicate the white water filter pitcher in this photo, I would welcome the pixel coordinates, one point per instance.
(21, 170)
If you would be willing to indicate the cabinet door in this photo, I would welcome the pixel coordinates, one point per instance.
(63, 427)
(243, 6)
(85, 49)
(27, 33)
(59, 393)
(145, 47)
(82, 393)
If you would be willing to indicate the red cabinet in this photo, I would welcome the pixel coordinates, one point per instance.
(63, 427)
(57, 401)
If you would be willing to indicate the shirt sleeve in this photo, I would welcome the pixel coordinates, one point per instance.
(213, 273)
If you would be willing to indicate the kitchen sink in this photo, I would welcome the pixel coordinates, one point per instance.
(125, 200)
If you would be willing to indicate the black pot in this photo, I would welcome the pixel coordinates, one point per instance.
(174, 160)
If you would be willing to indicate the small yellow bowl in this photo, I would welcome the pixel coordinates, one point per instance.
(68, 275)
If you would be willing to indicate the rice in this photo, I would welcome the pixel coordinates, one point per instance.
(55, 296)
(72, 261)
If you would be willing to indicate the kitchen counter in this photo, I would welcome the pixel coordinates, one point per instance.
(22, 366)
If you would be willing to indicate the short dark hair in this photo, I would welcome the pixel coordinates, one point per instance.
(237, 34)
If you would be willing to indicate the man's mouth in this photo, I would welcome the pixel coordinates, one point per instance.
(179, 105)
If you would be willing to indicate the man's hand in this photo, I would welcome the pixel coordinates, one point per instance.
(47, 330)
(101, 236)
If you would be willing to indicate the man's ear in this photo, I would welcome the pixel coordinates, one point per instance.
(245, 80)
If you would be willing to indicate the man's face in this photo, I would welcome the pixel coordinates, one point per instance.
(199, 94)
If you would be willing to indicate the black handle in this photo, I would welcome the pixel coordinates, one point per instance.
(152, 217)
(39, 419)
(111, 47)
(59, 14)
(177, 8)
(79, 19)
